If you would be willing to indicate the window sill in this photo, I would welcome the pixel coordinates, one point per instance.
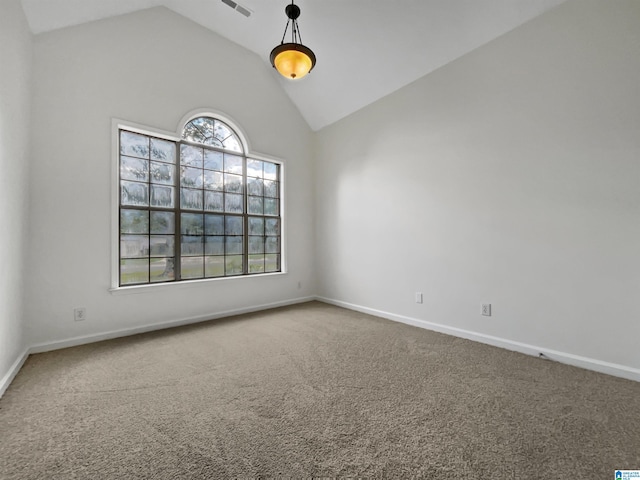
(149, 288)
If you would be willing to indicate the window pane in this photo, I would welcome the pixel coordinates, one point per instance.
(213, 180)
(272, 263)
(256, 226)
(134, 271)
(271, 206)
(254, 168)
(233, 245)
(134, 221)
(233, 225)
(254, 186)
(134, 246)
(221, 131)
(232, 164)
(213, 142)
(213, 160)
(162, 270)
(256, 205)
(214, 201)
(191, 199)
(162, 222)
(256, 244)
(204, 125)
(214, 224)
(191, 156)
(270, 171)
(256, 263)
(233, 183)
(162, 196)
(272, 245)
(191, 177)
(162, 173)
(134, 144)
(233, 203)
(193, 134)
(233, 264)
(162, 246)
(134, 169)
(192, 267)
(192, 245)
(214, 267)
(134, 193)
(272, 226)
(205, 132)
(232, 143)
(214, 246)
(163, 150)
(270, 188)
(191, 224)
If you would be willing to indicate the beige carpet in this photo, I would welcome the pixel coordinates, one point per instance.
(312, 391)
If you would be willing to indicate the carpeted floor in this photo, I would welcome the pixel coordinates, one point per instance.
(312, 391)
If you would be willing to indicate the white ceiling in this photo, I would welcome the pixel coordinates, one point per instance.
(366, 49)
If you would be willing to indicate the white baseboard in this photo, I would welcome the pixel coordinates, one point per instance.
(570, 359)
(75, 341)
(13, 371)
(614, 369)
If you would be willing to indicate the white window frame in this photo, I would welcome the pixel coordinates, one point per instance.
(116, 126)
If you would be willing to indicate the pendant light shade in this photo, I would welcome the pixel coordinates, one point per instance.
(292, 60)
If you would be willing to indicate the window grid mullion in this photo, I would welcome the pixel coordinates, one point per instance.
(177, 250)
(245, 218)
(149, 211)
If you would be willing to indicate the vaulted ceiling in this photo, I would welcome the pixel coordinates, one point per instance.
(366, 49)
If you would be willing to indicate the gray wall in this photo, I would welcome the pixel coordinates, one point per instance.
(510, 176)
(15, 106)
(151, 67)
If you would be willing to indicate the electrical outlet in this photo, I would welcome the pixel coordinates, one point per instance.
(79, 314)
(299, 285)
(418, 297)
(486, 309)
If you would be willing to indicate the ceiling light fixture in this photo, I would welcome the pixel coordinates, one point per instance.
(292, 60)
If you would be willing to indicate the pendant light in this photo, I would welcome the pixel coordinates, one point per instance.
(292, 60)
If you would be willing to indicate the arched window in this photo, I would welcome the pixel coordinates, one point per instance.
(196, 207)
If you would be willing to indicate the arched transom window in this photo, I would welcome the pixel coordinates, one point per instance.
(197, 207)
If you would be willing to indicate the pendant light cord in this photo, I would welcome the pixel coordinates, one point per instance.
(296, 37)
(285, 32)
